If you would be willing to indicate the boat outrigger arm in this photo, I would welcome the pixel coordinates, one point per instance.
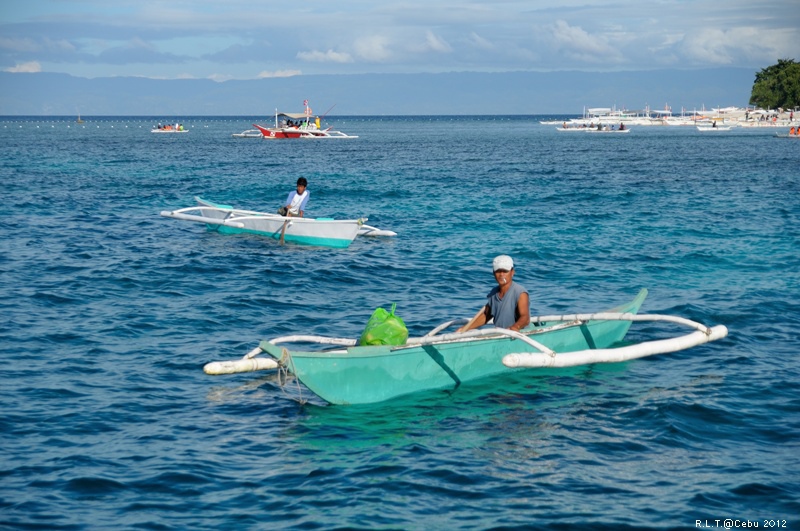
(545, 357)
(702, 334)
(182, 214)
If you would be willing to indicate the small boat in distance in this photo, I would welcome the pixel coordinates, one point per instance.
(341, 372)
(594, 129)
(606, 130)
(324, 232)
(712, 128)
(299, 125)
(169, 128)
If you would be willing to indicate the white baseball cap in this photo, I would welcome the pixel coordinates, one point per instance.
(502, 262)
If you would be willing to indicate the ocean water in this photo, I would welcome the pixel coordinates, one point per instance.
(109, 313)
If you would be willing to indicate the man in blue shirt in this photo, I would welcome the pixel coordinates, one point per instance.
(508, 303)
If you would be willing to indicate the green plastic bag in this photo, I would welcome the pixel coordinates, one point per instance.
(384, 328)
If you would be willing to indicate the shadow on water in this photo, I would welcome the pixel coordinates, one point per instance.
(511, 404)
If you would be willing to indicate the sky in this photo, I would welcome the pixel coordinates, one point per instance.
(252, 39)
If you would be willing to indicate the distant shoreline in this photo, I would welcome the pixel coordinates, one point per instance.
(521, 93)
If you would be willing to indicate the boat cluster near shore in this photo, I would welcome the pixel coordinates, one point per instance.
(727, 117)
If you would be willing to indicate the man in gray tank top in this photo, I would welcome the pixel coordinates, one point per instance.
(508, 303)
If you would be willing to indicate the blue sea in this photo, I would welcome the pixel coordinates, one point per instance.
(110, 311)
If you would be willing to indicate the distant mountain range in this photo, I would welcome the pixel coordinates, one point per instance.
(467, 93)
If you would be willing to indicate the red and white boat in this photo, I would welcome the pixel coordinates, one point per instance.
(299, 125)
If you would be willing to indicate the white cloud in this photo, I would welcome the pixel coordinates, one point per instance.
(279, 73)
(578, 44)
(724, 47)
(432, 43)
(19, 45)
(61, 45)
(325, 57)
(479, 42)
(30, 67)
(374, 48)
(207, 38)
(28, 45)
(435, 43)
(710, 45)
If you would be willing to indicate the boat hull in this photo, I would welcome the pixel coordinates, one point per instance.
(293, 132)
(304, 231)
(362, 375)
(337, 234)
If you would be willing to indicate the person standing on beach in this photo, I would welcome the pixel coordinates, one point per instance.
(508, 303)
(296, 201)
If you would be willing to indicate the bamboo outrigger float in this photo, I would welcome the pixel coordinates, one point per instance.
(352, 374)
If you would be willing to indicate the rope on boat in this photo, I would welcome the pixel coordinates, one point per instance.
(285, 366)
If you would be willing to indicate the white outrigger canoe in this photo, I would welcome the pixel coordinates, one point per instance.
(325, 232)
(713, 129)
(605, 130)
(608, 131)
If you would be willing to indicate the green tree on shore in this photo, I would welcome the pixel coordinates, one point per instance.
(777, 86)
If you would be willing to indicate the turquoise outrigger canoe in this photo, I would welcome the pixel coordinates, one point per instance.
(369, 374)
